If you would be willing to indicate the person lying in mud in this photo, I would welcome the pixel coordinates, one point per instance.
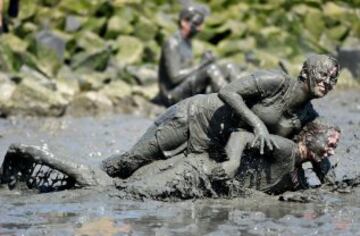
(262, 103)
(179, 77)
(183, 177)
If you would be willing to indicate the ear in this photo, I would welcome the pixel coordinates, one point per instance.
(304, 74)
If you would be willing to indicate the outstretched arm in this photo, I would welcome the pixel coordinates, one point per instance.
(239, 91)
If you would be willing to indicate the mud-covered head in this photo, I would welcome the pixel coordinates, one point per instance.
(320, 139)
(320, 73)
(191, 19)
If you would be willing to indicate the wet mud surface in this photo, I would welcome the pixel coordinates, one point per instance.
(98, 210)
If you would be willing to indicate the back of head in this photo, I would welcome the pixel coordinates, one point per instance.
(193, 13)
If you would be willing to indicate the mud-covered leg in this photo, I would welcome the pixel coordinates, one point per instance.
(39, 169)
(142, 153)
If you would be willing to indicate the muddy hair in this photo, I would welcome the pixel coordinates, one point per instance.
(315, 134)
(316, 61)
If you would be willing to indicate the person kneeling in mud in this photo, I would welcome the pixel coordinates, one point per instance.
(179, 76)
(194, 176)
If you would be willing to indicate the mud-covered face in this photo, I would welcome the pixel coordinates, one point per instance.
(324, 80)
(191, 19)
(196, 24)
(321, 73)
(324, 145)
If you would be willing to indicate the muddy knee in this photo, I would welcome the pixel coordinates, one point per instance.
(123, 165)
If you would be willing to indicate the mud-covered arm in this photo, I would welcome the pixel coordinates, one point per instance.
(324, 171)
(235, 95)
(173, 62)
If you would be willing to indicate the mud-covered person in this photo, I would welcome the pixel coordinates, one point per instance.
(262, 103)
(281, 170)
(179, 76)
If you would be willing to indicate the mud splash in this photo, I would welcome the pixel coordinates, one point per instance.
(89, 140)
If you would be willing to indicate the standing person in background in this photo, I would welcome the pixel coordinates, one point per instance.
(179, 77)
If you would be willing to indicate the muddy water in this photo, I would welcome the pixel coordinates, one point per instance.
(97, 212)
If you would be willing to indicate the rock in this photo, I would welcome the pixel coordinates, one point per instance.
(152, 52)
(314, 22)
(32, 98)
(130, 50)
(73, 23)
(7, 58)
(52, 42)
(95, 61)
(30, 73)
(49, 50)
(7, 89)
(145, 29)
(27, 9)
(334, 10)
(16, 44)
(144, 74)
(138, 105)
(347, 80)
(117, 25)
(229, 47)
(117, 90)
(91, 80)
(149, 92)
(95, 24)
(79, 7)
(88, 41)
(90, 103)
(350, 58)
(67, 83)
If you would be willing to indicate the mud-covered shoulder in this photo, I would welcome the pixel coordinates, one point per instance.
(269, 82)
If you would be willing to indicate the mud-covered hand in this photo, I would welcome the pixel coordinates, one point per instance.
(263, 138)
(218, 174)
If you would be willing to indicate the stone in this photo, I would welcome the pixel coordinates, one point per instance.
(97, 61)
(350, 58)
(145, 29)
(32, 98)
(116, 26)
(144, 74)
(88, 41)
(73, 23)
(130, 50)
(117, 90)
(67, 83)
(90, 103)
(49, 50)
(149, 92)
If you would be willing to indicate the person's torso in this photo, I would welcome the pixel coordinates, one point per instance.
(275, 113)
(183, 49)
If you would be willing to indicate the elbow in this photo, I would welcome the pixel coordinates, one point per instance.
(224, 94)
